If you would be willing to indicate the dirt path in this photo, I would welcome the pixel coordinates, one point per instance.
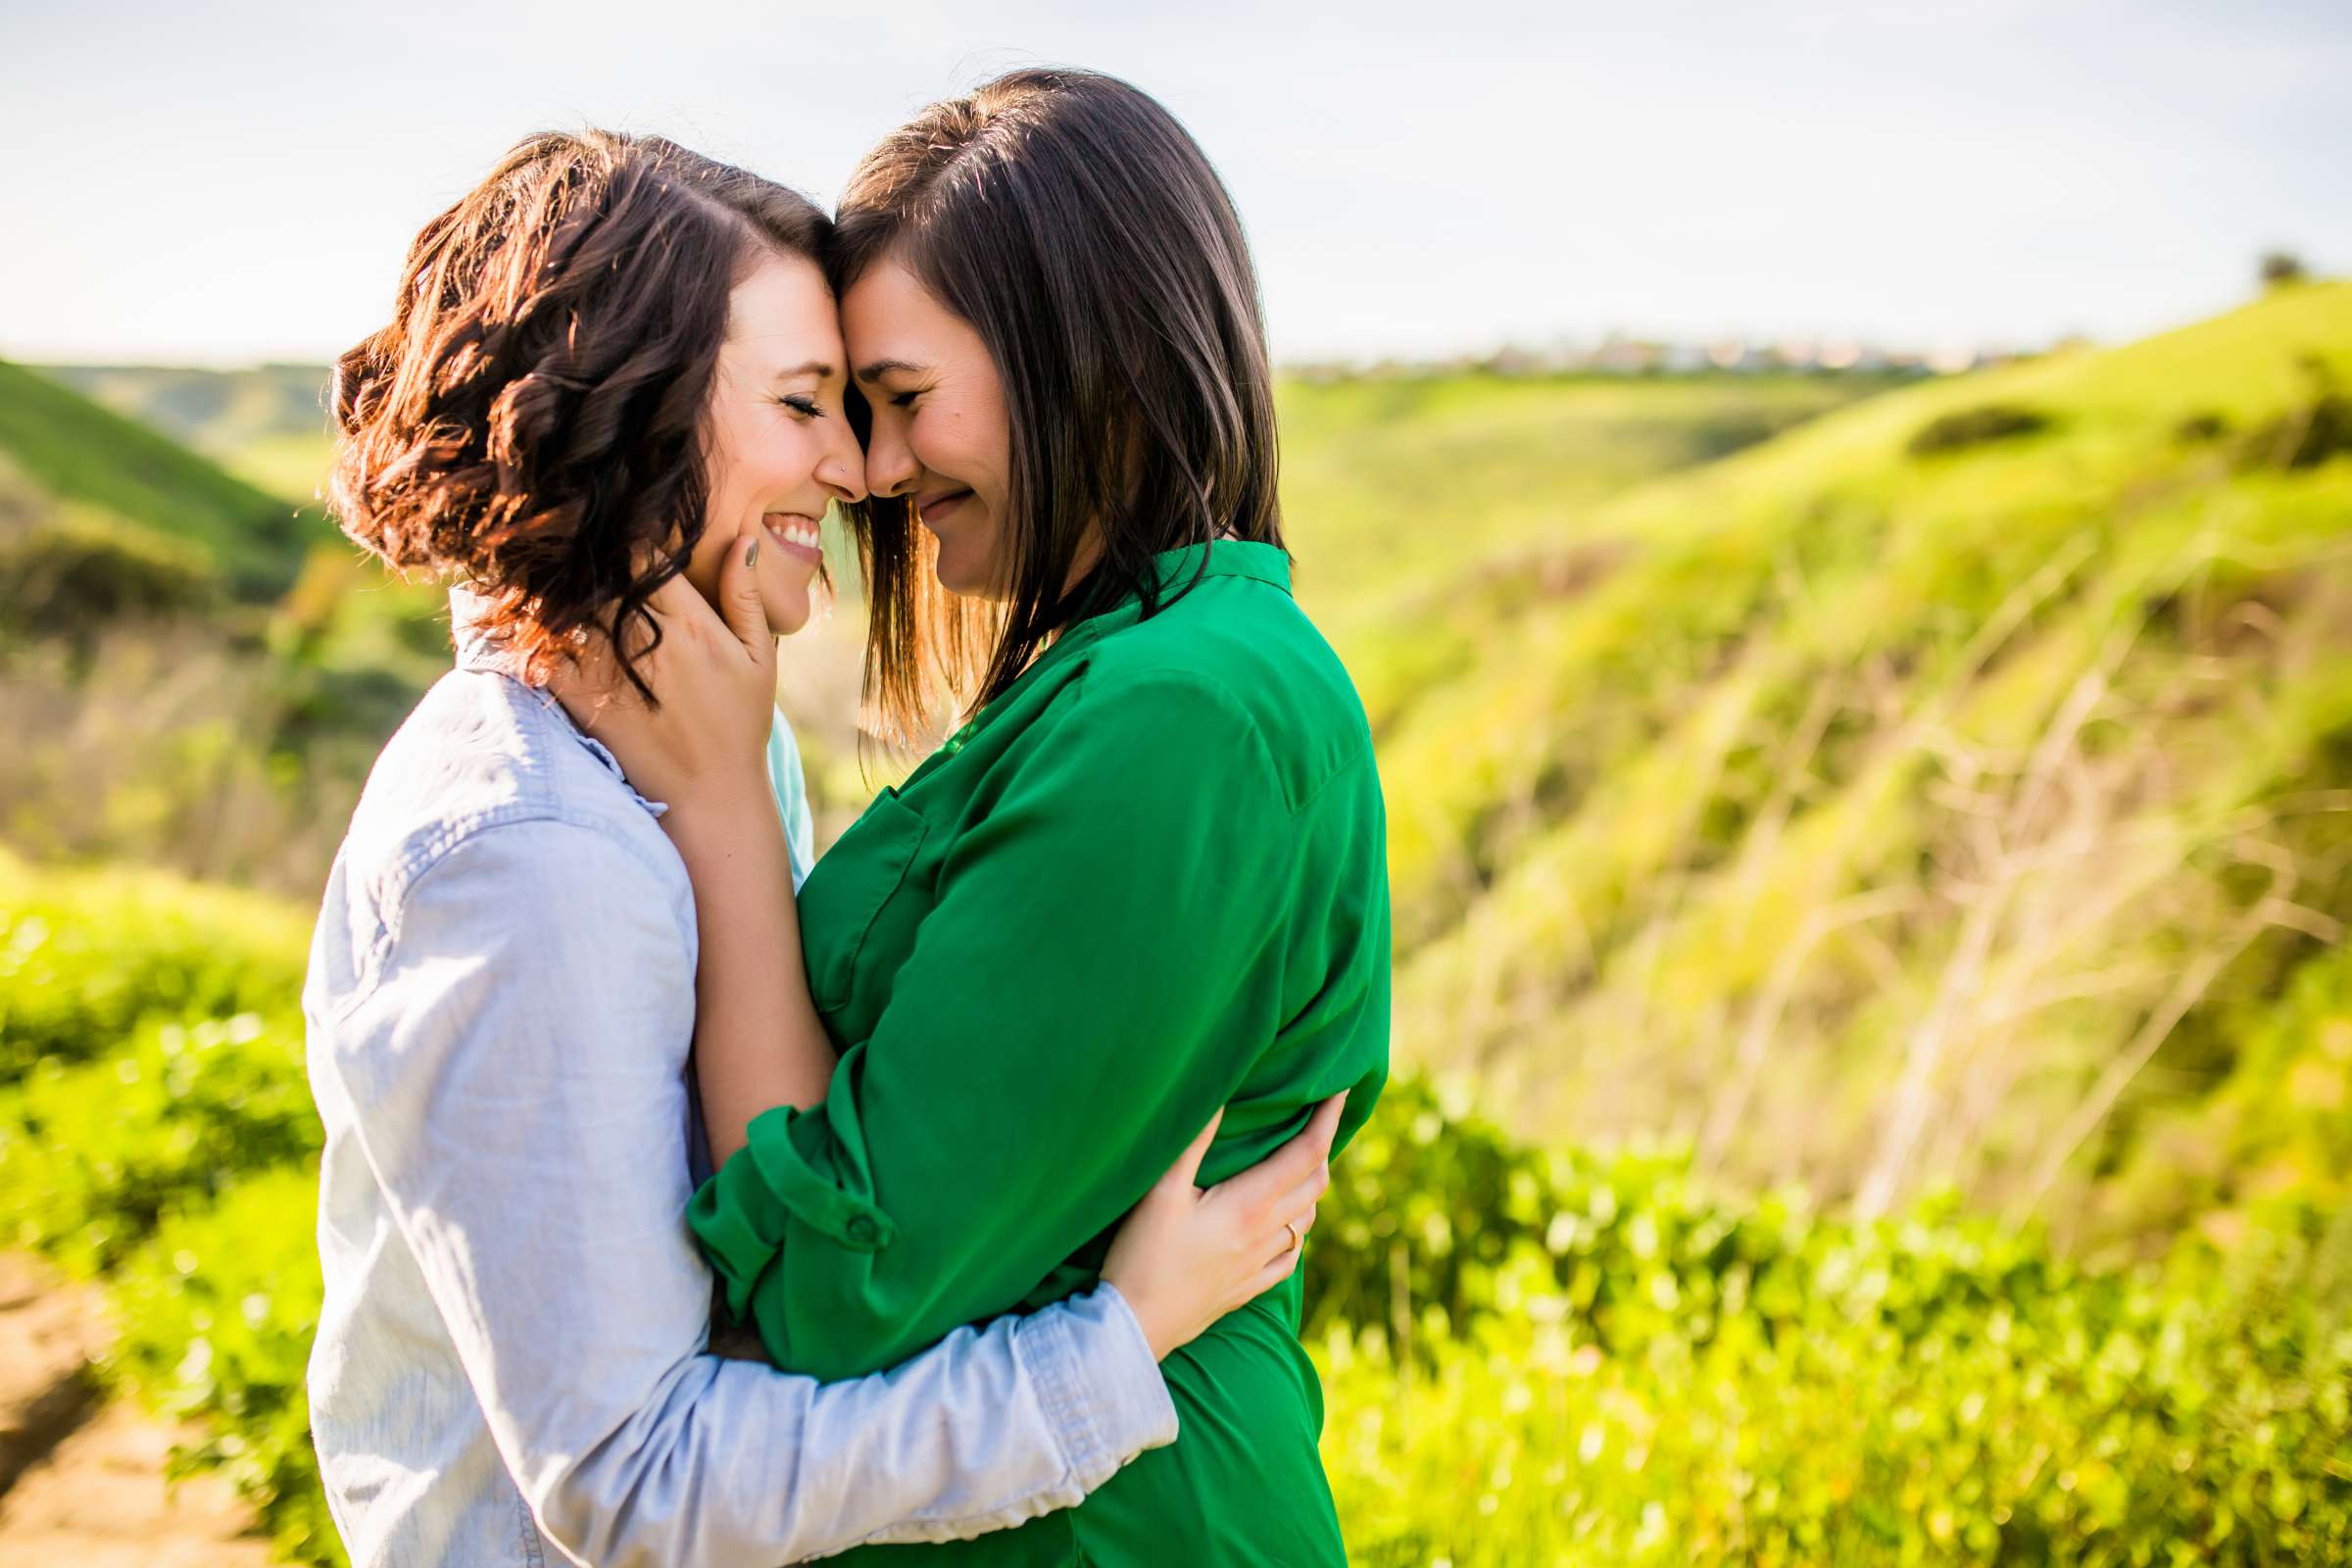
(80, 1479)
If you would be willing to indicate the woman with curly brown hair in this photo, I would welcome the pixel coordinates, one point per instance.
(612, 385)
(1146, 877)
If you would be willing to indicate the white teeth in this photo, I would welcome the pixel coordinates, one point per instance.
(799, 533)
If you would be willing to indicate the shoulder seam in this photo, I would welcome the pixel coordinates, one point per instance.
(428, 854)
(1355, 759)
(1223, 696)
(441, 845)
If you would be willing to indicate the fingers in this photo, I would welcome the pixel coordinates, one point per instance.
(1298, 1163)
(1324, 1125)
(1186, 1172)
(1302, 1197)
(680, 600)
(1279, 1267)
(1291, 1238)
(687, 620)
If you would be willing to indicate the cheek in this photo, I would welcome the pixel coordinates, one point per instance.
(723, 451)
(925, 437)
(992, 450)
(958, 447)
(781, 462)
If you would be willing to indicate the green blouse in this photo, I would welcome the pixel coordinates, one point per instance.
(1146, 881)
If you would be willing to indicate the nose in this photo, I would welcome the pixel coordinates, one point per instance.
(890, 466)
(842, 471)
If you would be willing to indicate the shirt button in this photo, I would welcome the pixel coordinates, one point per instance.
(863, 1229)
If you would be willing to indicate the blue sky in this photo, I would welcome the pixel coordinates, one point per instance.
(232, 182)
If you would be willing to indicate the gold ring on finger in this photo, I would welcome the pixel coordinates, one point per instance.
(1293, 1228)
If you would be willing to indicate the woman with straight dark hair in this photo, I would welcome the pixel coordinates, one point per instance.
(1145, 879)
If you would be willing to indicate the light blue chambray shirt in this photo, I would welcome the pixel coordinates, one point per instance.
(512, 1364)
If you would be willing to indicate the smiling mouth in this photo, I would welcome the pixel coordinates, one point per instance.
(796, 535)
(938, 506)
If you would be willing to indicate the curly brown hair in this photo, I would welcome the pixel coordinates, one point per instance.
(530, 420)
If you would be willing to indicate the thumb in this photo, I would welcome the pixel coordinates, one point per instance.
(1186, 1171)
(739, 599)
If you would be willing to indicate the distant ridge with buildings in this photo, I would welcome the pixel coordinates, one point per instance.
(1625, 354)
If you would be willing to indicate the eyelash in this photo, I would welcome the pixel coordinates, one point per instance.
(806, 408)
(905, 399)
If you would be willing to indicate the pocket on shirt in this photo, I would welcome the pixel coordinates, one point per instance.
(845, 894)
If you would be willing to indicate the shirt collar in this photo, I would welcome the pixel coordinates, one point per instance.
(1173, 570)
(478, 651)
(1223, 557)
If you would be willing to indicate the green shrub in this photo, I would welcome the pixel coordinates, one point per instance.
(1435, 1209)
(160, 1134)
(217, 1314)
(79, 570)
(1650, 1377)
(2302, 437)
(2198, 429)
(2161, 1440)
(1973, 427)
(87, 957)
(2280, 269)
(93, 1155)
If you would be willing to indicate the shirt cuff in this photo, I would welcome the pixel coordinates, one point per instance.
(1099, 1382)
(741, 1215)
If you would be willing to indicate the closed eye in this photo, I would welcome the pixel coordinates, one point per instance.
(804, 406)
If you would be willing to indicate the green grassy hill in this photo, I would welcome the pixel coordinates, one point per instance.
(1392, 486)
(197, 674)
(1901, 803)
(1387, 483)
(1880, 817)
(72, 450)
(267, 425)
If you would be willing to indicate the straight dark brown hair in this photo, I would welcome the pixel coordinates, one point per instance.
(1081, 232)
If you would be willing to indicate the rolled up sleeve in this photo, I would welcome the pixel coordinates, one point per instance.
(743, 1212)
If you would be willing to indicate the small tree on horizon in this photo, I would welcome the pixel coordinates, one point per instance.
(2280, 267)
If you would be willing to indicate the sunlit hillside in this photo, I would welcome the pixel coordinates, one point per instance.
(1945, 792)
(267, 425)
(1392, 488)
(1953, 789)
(114, 475)
(196, 672)
(1389, 484)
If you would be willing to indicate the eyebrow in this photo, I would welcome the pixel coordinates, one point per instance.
(879, 369)
(817, 368)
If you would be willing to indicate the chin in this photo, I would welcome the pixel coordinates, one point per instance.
(786, 612)
(966, 583)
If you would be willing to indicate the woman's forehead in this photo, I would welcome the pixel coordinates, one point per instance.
(891, 322)
(780, 315)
